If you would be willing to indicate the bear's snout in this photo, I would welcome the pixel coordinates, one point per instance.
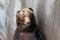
(27, 21)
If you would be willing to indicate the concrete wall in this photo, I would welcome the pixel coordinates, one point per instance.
(56, 28)
(47, 13)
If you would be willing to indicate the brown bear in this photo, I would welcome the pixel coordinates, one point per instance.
(26, 26)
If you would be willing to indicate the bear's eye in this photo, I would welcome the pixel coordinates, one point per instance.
(23, 10)
(31, 15)
(23, 15)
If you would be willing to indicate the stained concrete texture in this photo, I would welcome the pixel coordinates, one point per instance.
(47, 13)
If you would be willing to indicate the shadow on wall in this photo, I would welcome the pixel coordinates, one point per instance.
(41, 20)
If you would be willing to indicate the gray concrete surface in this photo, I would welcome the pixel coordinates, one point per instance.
(47, 13)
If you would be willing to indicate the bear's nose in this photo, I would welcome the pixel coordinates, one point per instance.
(27, 21)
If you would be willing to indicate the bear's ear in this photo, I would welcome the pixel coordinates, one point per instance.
(31, 9)
(18, 11)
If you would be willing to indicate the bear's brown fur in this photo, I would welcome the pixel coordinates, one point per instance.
(26, 26)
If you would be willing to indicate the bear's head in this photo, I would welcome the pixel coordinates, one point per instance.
(25, 19)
